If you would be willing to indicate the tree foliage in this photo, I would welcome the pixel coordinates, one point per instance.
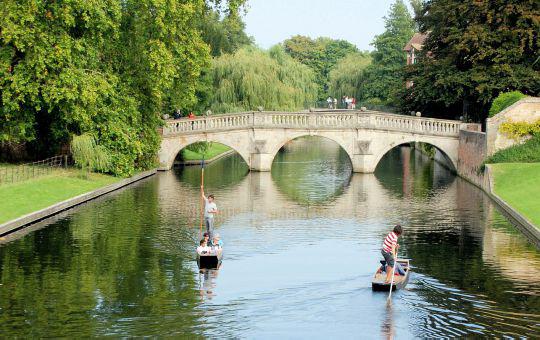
(251, 78)
(385, 73)
(107, 68)
(478, 49)
(223, 35)
(320, 54)
(347, 78)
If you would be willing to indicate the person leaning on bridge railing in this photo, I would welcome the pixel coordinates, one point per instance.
(191, 117)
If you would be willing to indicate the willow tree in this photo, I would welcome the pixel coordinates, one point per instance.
(348, 77)
(253, 78)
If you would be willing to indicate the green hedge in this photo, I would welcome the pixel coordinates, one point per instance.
(504, 100)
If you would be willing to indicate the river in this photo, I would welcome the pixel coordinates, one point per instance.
(301, 246)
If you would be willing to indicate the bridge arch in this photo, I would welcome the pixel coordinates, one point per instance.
(332, 136)
(235, 141)
(447, 149)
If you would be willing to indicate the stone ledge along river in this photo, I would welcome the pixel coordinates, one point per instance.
(301, 246)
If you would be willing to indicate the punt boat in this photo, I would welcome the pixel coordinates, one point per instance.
(400, 281)
(210, 260)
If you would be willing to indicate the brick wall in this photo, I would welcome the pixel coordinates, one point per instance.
(472, 152)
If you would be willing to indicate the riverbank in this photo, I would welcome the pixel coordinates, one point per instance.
(214, 152)
(35, 194)
(32, 200)
(518, 184)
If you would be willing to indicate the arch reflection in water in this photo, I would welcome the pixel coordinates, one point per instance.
(227, 171)
(312, 170)
(409, 173)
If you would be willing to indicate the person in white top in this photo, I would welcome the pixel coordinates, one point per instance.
(210, 209)
(203, 248)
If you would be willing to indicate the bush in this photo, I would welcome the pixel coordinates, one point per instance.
(517, 130)
(504, 100)
(528, 152)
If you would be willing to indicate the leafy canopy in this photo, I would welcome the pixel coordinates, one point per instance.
(384, 73)
(347, 78)
(251, 78)
(320, 54)
(478, 50)
(106, 68)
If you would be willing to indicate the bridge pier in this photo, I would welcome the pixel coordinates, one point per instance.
(364, 164)
(261, 162)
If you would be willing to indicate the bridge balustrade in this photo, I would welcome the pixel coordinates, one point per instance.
(314, 120)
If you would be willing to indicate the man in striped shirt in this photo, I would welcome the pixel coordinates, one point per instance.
(389, 250)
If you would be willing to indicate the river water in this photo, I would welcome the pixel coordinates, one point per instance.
(301, 246)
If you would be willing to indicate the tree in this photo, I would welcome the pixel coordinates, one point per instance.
(106, 68)
(347, 78)
(320, 55)
(477, 50)
(225, 34)
(384, 74)
(417, 6)
(251, 78)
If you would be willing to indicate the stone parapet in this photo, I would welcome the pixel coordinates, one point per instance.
(313, 120)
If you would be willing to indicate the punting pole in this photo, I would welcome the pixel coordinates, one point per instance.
(202, 199)
(392, 279)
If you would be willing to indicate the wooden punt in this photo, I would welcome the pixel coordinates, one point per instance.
(210, 260)
(400, 281)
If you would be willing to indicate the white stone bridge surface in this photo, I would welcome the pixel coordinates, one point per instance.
(258, 136)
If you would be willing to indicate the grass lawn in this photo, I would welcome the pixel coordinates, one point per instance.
(519, 185)
(21, 198)
(214, 150)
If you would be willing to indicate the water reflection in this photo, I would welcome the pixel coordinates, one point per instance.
(298, 260)
(207, 283)
(408, 173)
(306, 171)
(388, 328)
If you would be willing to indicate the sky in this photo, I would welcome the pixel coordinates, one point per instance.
(357, 21)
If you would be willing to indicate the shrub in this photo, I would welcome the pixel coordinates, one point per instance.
(504, 100)
(517, 130)
(528, 152)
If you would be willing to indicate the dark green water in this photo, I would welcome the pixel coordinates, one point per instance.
(301, 245)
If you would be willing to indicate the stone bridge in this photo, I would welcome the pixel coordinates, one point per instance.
(258, 136)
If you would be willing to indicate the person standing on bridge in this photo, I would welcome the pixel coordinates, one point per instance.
(210, 209)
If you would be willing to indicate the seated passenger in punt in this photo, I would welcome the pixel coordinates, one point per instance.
(206, 237)
(399, 268)
(217, 242)
(203, 248)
